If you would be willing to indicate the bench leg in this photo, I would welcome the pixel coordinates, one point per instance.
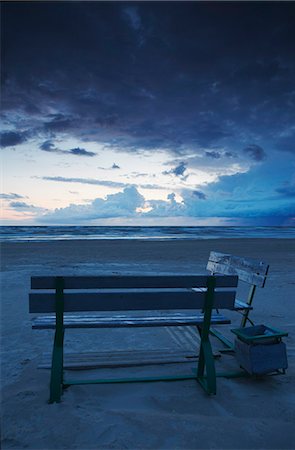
(206, 374)
(246, 313)
(56, 379)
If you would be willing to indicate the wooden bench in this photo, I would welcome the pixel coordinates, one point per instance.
(176, 300)
(252, 273)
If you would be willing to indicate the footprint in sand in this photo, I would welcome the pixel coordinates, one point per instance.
(26, 394)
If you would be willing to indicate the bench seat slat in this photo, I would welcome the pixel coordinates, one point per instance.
(124, 320)
(130, 281)
(140, 299)
(241, 305)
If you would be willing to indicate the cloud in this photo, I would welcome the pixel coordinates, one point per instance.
(60, 123)
(114, 97)
(114, 166)
(12, 138)
(49, 146)
(132, 17)
(93, 181)
(200, 105)
(214, 155)
(255, 152)
(287, 191)
(121, 204)
(286, 143)
(200, 195)
(86, 181)
(25, 207)
(201, 169)
(177, 170)
(260, 71)
(229, 154)
(80, 152)
(166, 208)
(224, 201)
(11, 196)
(19, 205)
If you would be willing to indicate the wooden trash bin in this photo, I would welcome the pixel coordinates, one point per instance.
(259, 349)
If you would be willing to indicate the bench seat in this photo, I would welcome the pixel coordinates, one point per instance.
(240, 305)
(126, 320)
(131, 301)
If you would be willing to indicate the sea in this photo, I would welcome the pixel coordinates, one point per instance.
(55, 233)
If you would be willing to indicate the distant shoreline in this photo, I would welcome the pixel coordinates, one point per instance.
(126, 233)
(28, 241)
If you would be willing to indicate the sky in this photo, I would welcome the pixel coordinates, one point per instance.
(148, 113)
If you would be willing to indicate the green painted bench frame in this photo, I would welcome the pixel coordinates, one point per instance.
(251, 272)
(151, 294)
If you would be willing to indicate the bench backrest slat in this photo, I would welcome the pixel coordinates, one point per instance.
(140, 299)
(131, 281)
(248, 270)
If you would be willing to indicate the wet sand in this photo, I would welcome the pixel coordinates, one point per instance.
(245, 413)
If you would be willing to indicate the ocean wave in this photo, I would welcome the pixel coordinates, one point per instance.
(53, 233)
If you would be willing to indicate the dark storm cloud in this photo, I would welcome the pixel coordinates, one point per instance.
(11, 138)
(60, 123)
(146, 75)
(255, 152)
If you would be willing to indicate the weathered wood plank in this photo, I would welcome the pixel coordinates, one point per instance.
(239, 305)
(119, 321)
(130, 281)
(129, 358)
(247, 264)
(248, 270)
(124, 300)
(251, 278)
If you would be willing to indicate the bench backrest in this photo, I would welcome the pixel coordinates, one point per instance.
(250, 271)
(122, 293)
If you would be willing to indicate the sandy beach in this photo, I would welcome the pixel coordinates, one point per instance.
(245, 414)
